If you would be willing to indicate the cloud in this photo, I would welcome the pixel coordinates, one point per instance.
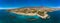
(9, 8)
(55, 7)
(19, 7)
(6, 8)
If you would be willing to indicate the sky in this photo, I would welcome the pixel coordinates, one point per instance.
(22, 3)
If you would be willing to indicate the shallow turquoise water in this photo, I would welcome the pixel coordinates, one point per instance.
(6, 17)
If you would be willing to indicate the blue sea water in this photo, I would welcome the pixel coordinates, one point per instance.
(6, 17)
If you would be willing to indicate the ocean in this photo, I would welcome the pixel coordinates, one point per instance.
(7, 17)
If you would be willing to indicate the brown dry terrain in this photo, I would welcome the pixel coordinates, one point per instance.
(42, 12)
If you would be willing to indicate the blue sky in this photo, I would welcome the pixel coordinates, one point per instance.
(22, 3)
